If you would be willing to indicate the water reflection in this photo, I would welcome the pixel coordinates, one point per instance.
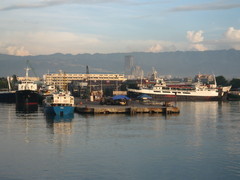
(27, 116)
(60, 124)
(26, 109)
(202, 142)
(61, 129)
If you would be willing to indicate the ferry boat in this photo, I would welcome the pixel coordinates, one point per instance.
(196, 92)
(61, 104)
(27, 93)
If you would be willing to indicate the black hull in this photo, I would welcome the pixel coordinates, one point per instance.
(233, 97)
(27, 97)
(177, 98)
(26, 109)
(8, 97)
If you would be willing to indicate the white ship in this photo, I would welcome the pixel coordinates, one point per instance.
(195, 92)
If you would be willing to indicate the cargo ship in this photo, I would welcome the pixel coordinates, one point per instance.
(27, 93)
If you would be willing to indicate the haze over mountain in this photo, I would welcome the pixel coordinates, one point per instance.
(189, 63)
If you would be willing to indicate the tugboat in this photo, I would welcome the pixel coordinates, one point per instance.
(27, 93)
(60, 104)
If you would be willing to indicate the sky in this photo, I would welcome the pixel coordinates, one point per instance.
(35, 27)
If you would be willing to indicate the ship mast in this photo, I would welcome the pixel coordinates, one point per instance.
(215, 81)
(26, 77)
(27, 70)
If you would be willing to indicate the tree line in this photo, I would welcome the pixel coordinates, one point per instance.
(222, 81)
(4, 82)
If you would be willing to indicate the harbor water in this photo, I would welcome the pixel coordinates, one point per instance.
(202, 142)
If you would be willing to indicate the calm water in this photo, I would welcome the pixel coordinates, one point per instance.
(202, 142)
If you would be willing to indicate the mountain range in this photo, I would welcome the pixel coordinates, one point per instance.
(179, 63)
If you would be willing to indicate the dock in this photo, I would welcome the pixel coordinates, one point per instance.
(92, 108)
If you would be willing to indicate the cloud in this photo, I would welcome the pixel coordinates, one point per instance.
(195, 37)
(196, 40)
(229, 40)
(155, 48)
(48, 42)
(217, 5)
(17, 51)
(232, 34)
(49, 3)
(198, 47)
(162, 47)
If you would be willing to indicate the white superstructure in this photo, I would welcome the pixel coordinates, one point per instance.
(27, 84)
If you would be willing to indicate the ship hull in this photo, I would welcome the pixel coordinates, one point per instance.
(7, 97)
(27, 97)
(52, 118)
(233, 97)
(58, 110)
(26, 109)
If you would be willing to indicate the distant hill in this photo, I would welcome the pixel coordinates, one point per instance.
(189, 63)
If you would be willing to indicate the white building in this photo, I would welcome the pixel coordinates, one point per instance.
(29, 79)
(62, 79)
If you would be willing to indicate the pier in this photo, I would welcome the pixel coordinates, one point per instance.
(93, 108)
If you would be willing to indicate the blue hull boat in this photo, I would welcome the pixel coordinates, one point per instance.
(59, 110)
(59, 104)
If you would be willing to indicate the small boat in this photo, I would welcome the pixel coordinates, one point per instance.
(233, 96)
(9, 95)
(61, 103)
